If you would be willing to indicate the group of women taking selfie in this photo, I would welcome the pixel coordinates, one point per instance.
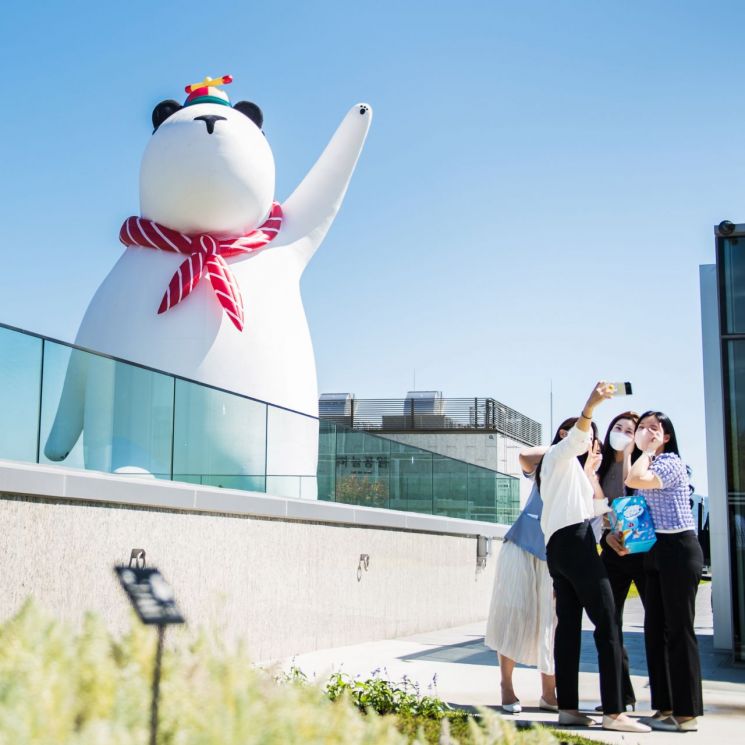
(550, 571)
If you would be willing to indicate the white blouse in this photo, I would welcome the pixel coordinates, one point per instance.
(565, 489)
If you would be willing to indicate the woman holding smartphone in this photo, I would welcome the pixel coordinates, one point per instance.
(673, 567)
(619, 452)
(579, 576)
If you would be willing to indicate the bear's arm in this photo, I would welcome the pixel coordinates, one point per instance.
(310, 210)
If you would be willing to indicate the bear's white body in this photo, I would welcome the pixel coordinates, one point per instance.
(271, 360)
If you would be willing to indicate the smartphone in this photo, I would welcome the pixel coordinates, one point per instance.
(621, 389)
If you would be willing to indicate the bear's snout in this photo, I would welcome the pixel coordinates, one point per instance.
(209, 120)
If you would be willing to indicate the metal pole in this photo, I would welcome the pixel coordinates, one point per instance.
(156, 686)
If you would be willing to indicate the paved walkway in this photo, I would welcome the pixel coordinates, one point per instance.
(466, 674)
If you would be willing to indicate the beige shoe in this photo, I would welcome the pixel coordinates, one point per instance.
(624, 724)
(575, 720)
(689, 725)
(545, 706)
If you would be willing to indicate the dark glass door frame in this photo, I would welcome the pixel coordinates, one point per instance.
(725, 339)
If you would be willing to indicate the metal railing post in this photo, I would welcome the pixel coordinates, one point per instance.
(41, 403)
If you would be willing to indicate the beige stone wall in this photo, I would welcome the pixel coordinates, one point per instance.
(285, 586)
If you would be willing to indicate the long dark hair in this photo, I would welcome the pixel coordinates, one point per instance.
(671, 446)
(566, 425)
(609, 454)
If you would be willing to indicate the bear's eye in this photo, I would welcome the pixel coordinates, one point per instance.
(251, 110)
(163, 110)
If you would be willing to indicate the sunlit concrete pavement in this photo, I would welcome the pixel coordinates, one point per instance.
(465, 673)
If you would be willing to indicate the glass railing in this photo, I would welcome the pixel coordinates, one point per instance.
(355, 467)
(65, 405)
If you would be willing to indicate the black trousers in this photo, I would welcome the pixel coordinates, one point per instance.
(580, 581)
(673, 565)
(622, 571)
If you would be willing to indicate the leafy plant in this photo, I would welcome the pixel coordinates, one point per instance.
(385, 697)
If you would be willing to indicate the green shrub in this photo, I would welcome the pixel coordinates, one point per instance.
(62, 687)
(385, 697)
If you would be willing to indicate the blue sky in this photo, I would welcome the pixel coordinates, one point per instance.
(538, 189)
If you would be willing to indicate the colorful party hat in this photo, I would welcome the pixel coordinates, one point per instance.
(207, 91)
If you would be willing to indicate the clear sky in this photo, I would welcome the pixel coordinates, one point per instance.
(538, 189)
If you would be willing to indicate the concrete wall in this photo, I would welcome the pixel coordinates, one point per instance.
(285, 580)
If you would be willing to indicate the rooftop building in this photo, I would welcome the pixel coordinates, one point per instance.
(478, 431)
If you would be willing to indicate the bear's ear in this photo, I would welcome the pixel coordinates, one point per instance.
(251, 110)
(163, 110)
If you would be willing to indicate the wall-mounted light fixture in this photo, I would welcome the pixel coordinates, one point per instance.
(137, 556)
(483, 549)
(364, 563)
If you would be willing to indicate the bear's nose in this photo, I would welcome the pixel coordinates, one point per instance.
(209, 120)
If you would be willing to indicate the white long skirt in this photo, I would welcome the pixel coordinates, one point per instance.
(522, 613)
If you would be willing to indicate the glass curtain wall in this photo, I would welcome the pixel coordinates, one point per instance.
(355, 467)
(731, 270)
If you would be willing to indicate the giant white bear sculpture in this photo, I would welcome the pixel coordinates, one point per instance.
(208, 174)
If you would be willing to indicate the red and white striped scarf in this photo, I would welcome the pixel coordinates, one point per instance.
(206, 254)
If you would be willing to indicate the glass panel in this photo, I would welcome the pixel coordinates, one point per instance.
(734, 375)
(482, 494)
(124, 413)
(735, 413)
(20, 379)
(219, 438)
(327, 461)
(450, 485)
(411, 480)
(285, 486)
(308, 487)
(362, 468)
(62, 423)
(292, 449)
(508, 499)
(733, 284)
(351, 441)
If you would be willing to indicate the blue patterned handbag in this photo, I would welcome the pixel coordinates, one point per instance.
(631, 517)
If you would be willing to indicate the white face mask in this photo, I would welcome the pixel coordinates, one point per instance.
(619, 441)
